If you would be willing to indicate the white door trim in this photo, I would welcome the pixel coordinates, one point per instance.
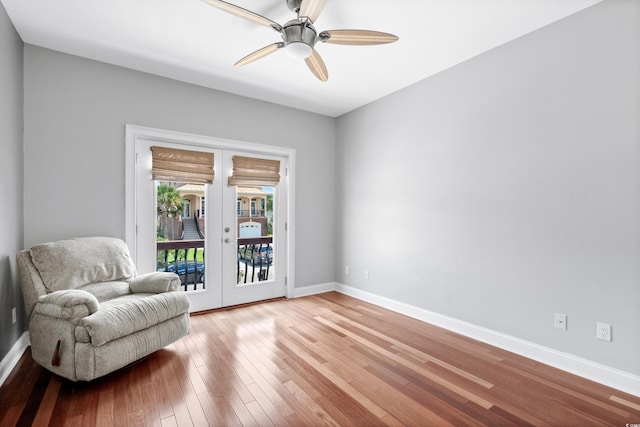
(134, 133)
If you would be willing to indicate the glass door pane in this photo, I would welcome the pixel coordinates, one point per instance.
(255, 235)
(180, 233)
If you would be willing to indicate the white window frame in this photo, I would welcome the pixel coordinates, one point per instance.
(134, 133)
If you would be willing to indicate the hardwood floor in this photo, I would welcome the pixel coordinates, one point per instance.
(323, 360)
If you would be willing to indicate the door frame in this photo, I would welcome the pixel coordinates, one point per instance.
(134, 133)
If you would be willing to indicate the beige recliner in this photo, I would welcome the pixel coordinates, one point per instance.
(89, 313)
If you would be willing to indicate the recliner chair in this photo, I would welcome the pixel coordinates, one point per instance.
(89, 312)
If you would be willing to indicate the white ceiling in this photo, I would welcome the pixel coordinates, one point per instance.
(191, 41)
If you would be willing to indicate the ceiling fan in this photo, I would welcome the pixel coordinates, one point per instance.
(299, 36)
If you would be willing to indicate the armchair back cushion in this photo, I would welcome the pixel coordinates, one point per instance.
(71, 264)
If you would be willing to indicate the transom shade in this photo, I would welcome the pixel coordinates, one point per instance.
(171, 164)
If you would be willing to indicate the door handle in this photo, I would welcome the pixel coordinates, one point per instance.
(228, 240)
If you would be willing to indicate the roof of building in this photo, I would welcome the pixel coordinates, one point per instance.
(191, 188)
(198, 189)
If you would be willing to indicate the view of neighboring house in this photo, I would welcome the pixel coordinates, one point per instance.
(251, 208)
(187, 222)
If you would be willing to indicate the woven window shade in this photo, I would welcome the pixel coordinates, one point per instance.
(170, 164)
(252, 172)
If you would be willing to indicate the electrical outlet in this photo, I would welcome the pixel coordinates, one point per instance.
(560, 321)
(13, 315)
(346, 269)
(603, 331)
(366, 274)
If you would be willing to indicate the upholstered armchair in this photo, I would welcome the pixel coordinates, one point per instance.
(90, 313)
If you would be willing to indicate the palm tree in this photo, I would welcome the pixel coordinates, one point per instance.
(169, 206)
(269, 214)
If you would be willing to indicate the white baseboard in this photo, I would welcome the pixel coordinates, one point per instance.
(306, 291)
(593, 371)
(11, 359)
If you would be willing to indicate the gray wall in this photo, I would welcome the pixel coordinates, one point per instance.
(10, 182)
(507, 188)
(75, 115)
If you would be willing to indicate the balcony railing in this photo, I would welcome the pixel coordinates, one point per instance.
(186, 258)
(252, 213)
(255, 259)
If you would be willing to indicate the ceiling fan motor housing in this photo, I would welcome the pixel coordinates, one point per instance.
(300, 36)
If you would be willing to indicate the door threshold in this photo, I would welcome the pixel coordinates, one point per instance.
(233, 307)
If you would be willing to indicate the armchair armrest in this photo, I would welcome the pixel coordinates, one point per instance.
(71, 304)
(155, 283)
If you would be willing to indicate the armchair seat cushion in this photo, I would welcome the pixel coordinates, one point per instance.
(107, 290)
(125, 315)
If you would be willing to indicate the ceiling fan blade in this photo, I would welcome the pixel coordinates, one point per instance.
(356, 37)
(312, 9)
(244, 13)
(260, 53)
(316, 65)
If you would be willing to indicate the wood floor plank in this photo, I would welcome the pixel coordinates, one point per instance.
(625, 402)
(26, 383)
(270, 385)
(267, 406)
(420, 356)
(150, 410)
(159, 365)
(194, 410)
(332, 398)
(341, 383)
(105, 410)
(424, 372)
(65, 400)
(323, 360)
(133, 400)
(217, 411)
(317, 413)
(47, 404)
(120, 414)
(169, 422)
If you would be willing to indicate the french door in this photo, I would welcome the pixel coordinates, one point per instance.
(240, 250)
(253, 239)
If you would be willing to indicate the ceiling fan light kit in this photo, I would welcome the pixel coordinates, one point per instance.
(299, 36)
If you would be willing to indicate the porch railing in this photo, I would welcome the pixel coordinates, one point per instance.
(252, 213)
(186, 258)
(255, 259)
